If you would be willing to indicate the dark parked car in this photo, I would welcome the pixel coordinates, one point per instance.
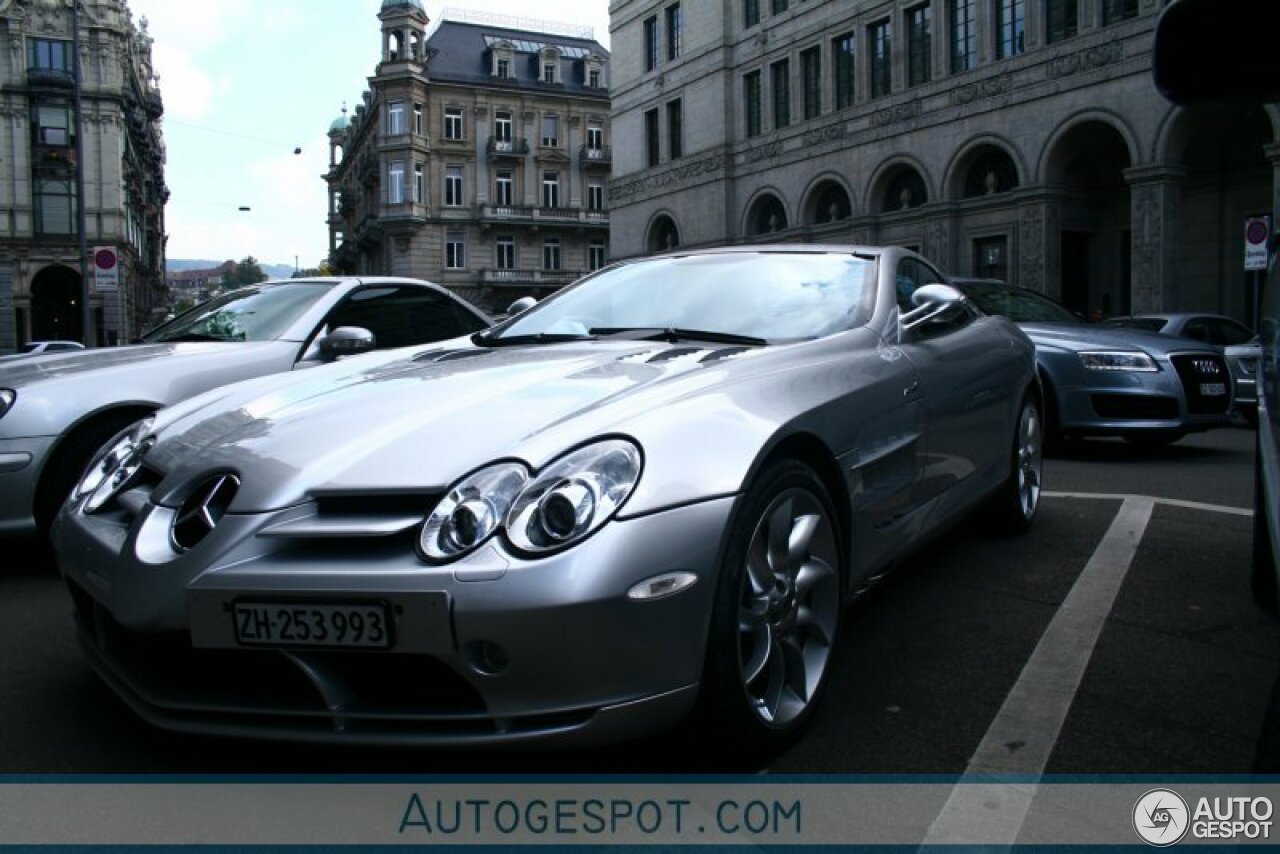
(1146, 387)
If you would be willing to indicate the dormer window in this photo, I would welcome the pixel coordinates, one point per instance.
(550, 65)
(593, 66)
(502, 55)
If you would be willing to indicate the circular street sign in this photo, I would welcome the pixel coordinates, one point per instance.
(1256, 232)
(104, 259)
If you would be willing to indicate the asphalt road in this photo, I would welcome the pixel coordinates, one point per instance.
(965, 658)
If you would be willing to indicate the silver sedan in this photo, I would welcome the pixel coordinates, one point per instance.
(57, 409)
(652, 492)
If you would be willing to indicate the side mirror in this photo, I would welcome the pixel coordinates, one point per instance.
(347, 341)
(933, 303)
(520, 306)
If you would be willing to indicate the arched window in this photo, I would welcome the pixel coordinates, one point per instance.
(905, 190)
(991, 172)
(663, 235)
(767, 216)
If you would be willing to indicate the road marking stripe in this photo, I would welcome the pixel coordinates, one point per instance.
(1025, 730)
(1172, 502)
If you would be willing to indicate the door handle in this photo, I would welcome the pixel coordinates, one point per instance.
(911, 389)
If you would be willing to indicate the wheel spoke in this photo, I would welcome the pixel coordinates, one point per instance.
(800, 540)
(759, 575)
(813, 573)
(778, 531)
(762, 646)
(770, 698)
(817, 628)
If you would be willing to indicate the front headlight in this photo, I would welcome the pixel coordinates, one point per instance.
(574, 496)
(471, 512)
(1119, 361)
(115, 465)
(7, 397)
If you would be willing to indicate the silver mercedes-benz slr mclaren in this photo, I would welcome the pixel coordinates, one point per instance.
(651, 493)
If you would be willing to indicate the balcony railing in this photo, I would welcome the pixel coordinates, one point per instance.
(521, 213)
(525, 278)
(602, 155)
(56, 78)
(508, 147)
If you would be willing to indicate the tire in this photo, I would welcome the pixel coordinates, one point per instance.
(776, 614)
(69, 460)
(1012, 509)
(1262, 575)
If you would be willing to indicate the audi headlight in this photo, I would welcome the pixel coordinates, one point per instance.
(573, 496)
(115, 466)
(1119, 361)
(471, 512)
(7, 397)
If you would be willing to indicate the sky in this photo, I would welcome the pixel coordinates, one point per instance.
(244, 83)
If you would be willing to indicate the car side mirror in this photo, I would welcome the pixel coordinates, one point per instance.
(520, 306)
(933, 303)
(347, 341)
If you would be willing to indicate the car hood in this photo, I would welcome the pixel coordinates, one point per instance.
(1081, 336)
(419, 423)
(180, 356)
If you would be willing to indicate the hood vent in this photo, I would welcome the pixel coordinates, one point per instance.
(675, 353)
(448, 355)
(203, 510)
(723, 353)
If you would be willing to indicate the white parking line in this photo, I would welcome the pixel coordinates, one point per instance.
(1172, 502)
(1027, 726)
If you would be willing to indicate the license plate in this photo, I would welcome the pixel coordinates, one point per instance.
(327, 624)
(1212, 389)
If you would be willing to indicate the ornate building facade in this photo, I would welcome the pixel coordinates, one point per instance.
(120, 158)
(478, 158)
(1016, 139)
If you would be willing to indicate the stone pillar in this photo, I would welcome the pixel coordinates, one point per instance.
(1155, 202)
(8, 332)
(1272, 152)
(1036, 248)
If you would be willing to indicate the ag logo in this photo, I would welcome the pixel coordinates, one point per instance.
(1161, 817)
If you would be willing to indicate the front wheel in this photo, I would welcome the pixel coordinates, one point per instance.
(1013, 507)
(776, 613)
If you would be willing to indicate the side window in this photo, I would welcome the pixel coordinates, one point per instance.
(400, 316)
(1229, 332)
(1197, 329)
(907, 282)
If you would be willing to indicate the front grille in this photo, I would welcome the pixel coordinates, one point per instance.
(1131, 407)
(1200, 369)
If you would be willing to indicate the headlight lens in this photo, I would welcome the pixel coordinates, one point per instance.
(574, 496)
(471, 512)
(1119, 361)
(115, 466)
(7, 397)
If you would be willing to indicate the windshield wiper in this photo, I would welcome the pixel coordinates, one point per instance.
(189, 336)
(674, 335)
(536, 338)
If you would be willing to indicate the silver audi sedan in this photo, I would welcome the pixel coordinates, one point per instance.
(652, 492)
(1147, 388)
(57, 409)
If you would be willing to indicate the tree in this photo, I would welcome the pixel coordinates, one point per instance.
(244, 272)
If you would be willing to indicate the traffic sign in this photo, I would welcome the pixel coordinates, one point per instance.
(1257, 234)
(106, 269)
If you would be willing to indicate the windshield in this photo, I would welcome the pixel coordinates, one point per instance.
(1017, 304)
(1147, 324)
(770, 295)
(250, 314)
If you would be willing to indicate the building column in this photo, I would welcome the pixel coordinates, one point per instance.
(1155, 204)
(1038, 246)
(1272, 152)
(8, 330)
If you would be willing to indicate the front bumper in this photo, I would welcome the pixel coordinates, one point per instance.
(1118, 403)
(21, 461)
(490, 649)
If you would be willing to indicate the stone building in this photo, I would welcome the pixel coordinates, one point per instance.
(1017, 139)
(478, 158)
(121, 161)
